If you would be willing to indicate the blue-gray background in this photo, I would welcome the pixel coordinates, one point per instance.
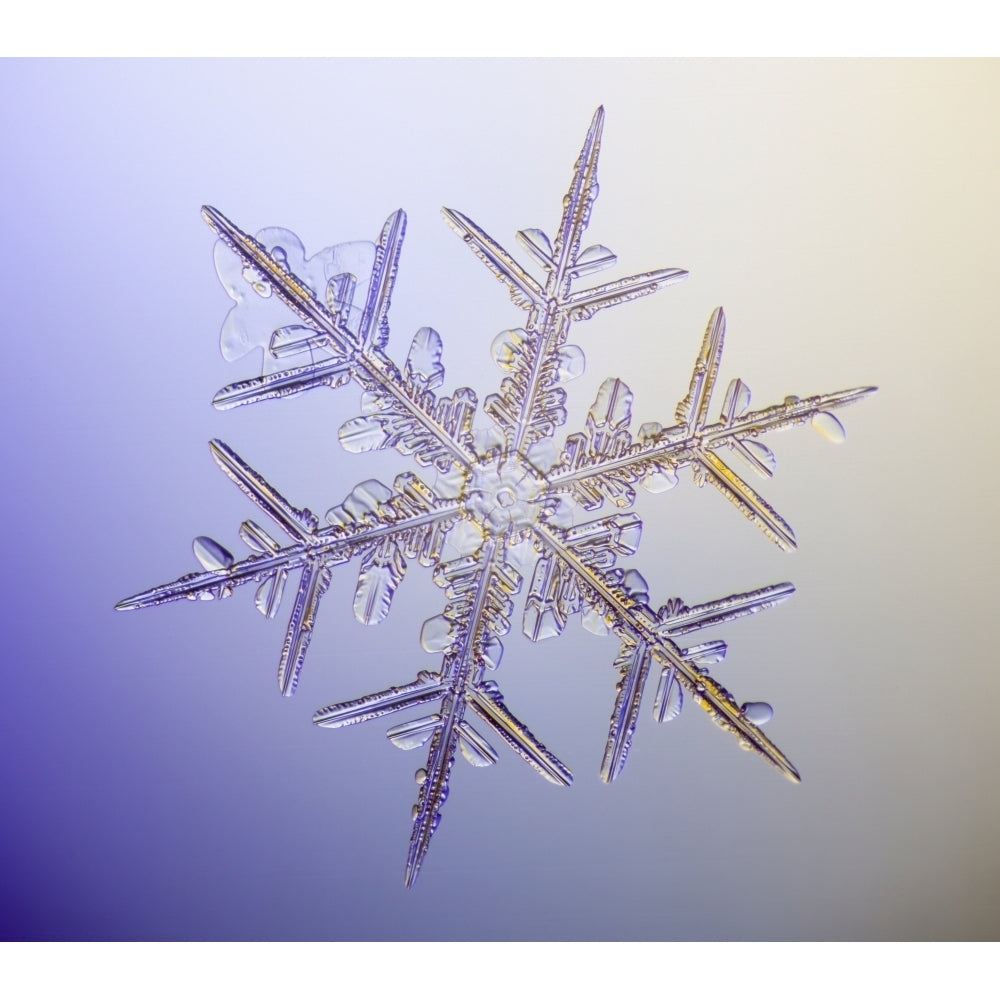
(155, 785)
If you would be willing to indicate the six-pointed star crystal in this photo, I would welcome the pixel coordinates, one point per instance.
(501, 503)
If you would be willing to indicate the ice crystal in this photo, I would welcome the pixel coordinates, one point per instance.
(513, 508)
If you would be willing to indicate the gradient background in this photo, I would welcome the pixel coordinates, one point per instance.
(155, 785)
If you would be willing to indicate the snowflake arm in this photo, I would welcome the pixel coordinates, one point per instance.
(479, 588)
(636, 624)
(407, 419)
(373, 523)
(634, 657)
(604, 463)
(530, 404)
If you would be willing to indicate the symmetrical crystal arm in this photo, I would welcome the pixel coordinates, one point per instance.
(479, 589)
(576, 206)
(473, 591)
(604, 462)
(404, 513)
(530, 404)
(637, 624)
(633, 662)
(362, 355)
(673, 445)
(434, 784)
(374, 523)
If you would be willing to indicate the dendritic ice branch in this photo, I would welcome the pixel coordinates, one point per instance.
(504, 511)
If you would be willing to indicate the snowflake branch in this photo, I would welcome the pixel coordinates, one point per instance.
(586, 302)
(525, 292)
(577, 205)
(211, 584)
(633, 661)
(312, 586)
(479, 589)
(489, 705)
(426, 688)
(602, 462)
(530, 404)
(412, 519)
(300, 524)
(683, 619)
(640, 625)
(462, 671)
(362, 355)
(330, 545)
(633, 665)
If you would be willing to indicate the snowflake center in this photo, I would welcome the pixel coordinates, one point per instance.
(502, 495)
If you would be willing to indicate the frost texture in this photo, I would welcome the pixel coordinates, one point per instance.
(518, 508)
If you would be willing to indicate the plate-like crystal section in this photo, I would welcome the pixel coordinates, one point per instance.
(503, 496)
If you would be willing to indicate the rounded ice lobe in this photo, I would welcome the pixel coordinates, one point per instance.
(211, 554)
(759, 713)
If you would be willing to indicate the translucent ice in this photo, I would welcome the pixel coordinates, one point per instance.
(497, 511)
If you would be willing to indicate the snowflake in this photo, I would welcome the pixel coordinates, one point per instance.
(500, 504)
